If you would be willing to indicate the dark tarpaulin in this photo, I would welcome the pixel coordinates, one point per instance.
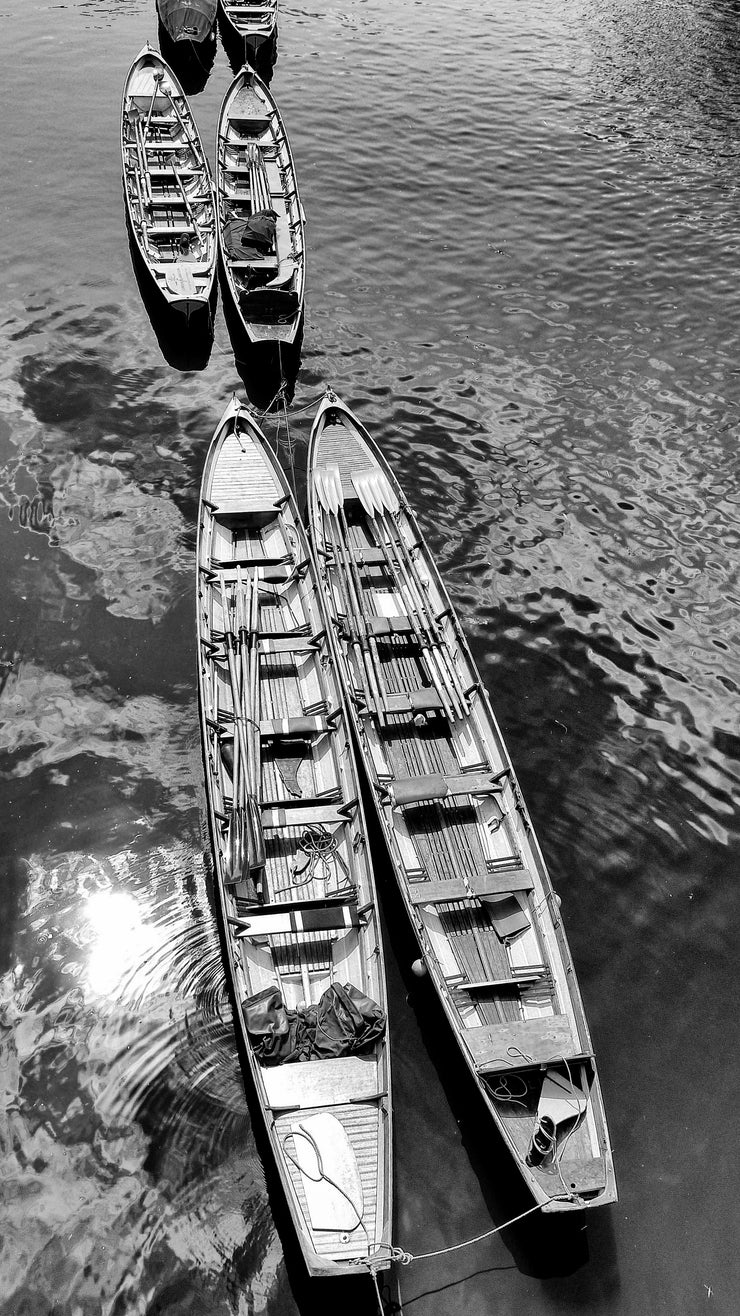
(252, 237)
(343, 1022)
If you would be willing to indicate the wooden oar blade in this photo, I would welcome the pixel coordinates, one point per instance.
(384, 492)
(335, 482)
(326, 492)
(363, 488)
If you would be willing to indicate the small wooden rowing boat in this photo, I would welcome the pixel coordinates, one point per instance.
(466, 859)
(260, 217)
(188, 20)
(252, 21)
(167, 185)
(292, 867)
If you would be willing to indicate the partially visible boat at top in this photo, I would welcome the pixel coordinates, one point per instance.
(260, 216)
(253, 22)
(188, 20)
(466, 859)
(292, 867)
(167, 185)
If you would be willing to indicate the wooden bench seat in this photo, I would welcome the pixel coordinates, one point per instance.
(520, 1043)
(285, 728)
(480, 884)
(271, 920)
(334, 1082)
(417, 790)
(301, 814)
(400, 625)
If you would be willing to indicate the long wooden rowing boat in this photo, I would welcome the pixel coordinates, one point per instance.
(188, 20)
(466, 859)
(260, 216)
(252, 21)
(167, 185)
(292, 867)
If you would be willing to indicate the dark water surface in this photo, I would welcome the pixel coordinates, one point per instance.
(524, 274)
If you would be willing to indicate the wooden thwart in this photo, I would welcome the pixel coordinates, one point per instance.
(481, 884)
(522, 1042)
(333, 1082)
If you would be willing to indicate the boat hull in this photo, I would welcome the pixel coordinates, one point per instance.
(466, 860)
(299, 918)
(167, 186)
(256, 185)
(188, 20)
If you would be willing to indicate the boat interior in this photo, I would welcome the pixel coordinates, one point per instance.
(302, 917)
(260, 217)
(166, 177)
(486, 919)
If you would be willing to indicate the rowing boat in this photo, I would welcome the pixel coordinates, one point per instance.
(254, 22)
(291, 864)
(167, 185)
(465, 856)
(188, 20)
(260, 217)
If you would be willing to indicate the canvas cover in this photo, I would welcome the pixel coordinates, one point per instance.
(343, 1022)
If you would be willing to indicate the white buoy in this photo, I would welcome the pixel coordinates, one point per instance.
(419, 969)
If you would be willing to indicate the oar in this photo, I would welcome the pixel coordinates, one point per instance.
(134, 118)
(250, 700)
(335, 480)
(435, 666)
(238, 841)
(158, 78)
(181, 121)
(385, 496)
(328, 498)
(254, 684)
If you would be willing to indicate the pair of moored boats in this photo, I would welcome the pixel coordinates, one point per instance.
(309, 643)
(179, 221)
(253, 21)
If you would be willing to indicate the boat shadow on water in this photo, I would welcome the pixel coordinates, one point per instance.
(260, 54)
(184, 344)
(190, 61)
(264, 368)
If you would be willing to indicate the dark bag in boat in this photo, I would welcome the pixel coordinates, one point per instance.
(347, 1021)
(251, 237)
(343, 1022)
(272, 1029)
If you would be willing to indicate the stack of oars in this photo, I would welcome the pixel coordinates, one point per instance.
(245, 850)
(382, 509)
(353, 599)
(259, 187)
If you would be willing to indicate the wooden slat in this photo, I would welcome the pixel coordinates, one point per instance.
(514, 1045)
(322, 1082)
(481, 884)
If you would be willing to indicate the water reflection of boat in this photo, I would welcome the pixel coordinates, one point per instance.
(268, 371)
(190, 62)
(250, 29)
(167, 185)
(183, 351)
(260, 216)
(292, 867)
(188, 20)
(467, 863)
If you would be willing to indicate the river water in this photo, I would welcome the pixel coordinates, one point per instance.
(524, 275)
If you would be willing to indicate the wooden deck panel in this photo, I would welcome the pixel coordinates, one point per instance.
(364, 1125)
(520, 1043)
